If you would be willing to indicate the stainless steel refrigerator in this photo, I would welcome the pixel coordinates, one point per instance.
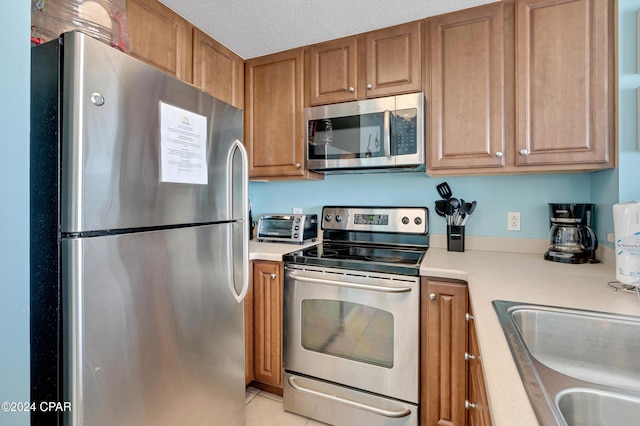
(139, 230)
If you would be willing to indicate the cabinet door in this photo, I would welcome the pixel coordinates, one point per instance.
(443, 375)
(467, 89)
(564, 75)
(332, 71)
(217, 70)
(479, 414)
(267, 322)
(248, 331)
(393, 60)
(160, 37)
(274, 128)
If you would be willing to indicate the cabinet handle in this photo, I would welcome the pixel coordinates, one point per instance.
(272, 276)
(524, 152)
(468, 316)
(432, 296)
(352, 89)
(468, 356)
(297, 165)
(469, 405)
(369, 86)
(499, 154)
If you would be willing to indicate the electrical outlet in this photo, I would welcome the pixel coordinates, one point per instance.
(513, 221)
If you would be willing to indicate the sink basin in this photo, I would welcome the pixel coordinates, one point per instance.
(575, 364)
(588, 407)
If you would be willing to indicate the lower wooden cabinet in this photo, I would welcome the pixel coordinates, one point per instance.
(478, 403)
(443, 342)
(263, 326)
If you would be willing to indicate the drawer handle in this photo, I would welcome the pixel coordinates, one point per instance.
(352, 89)
(272, 276)
(375, 410)
(383, 289)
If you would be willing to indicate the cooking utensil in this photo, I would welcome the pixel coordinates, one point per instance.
(469, 213)
(440, 207)
(462, 212)
(444, 190)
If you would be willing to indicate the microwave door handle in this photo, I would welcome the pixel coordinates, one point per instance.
(387, 133)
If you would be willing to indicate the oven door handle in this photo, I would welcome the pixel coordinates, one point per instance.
(384, 289)
(370, 408)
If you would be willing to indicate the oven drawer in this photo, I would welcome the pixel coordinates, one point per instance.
(338, 405)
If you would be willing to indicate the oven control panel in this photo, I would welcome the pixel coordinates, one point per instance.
(413, 220)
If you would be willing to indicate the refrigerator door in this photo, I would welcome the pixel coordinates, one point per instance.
(155, 334)
(140, 148)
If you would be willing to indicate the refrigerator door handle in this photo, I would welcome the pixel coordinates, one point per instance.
(237, 145)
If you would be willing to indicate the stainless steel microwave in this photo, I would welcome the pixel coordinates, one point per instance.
(384, 133)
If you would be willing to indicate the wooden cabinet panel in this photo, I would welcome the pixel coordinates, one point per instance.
(394, 60)
(564, 82)
(443, 334)
(267, 322)
(332, 71)
(274, 127)
(217, 70)
(248, 331)
(160, 37)
(467, 89)
(478, 414)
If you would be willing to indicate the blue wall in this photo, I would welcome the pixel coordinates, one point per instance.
(496, 195)
(14, 208)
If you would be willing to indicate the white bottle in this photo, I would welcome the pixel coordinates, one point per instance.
(626, 226)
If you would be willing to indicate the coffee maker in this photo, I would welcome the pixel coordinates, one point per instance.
(572, 237)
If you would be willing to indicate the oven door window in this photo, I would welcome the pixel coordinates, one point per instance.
(356, 136)
(348, 330)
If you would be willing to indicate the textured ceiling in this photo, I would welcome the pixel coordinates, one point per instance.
(253, 28)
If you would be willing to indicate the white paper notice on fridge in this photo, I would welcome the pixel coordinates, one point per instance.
(183, 146)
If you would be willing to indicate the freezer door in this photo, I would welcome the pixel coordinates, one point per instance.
(154, 333)
(139, 147)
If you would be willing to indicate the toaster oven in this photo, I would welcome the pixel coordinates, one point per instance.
(288, 228)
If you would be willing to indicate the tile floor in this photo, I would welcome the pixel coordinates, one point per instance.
(265, 409)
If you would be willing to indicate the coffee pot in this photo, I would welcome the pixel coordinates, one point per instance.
(572, 238)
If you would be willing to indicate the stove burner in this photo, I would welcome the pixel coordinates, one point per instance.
(386, 259)
(323, 253)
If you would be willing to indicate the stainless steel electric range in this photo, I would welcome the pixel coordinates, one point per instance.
(351, 318)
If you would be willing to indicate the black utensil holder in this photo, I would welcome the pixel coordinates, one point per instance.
(455, 238)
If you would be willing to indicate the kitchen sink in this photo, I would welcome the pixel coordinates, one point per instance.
(578, 367)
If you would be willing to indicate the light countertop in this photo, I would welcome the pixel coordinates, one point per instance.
(514, 277)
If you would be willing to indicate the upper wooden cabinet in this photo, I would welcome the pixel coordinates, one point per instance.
(217, 70)
(160, 37)
(273, 125)
(394, 60)
(467, 108)
(565, 82)
(378, 63)
(332, 71)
